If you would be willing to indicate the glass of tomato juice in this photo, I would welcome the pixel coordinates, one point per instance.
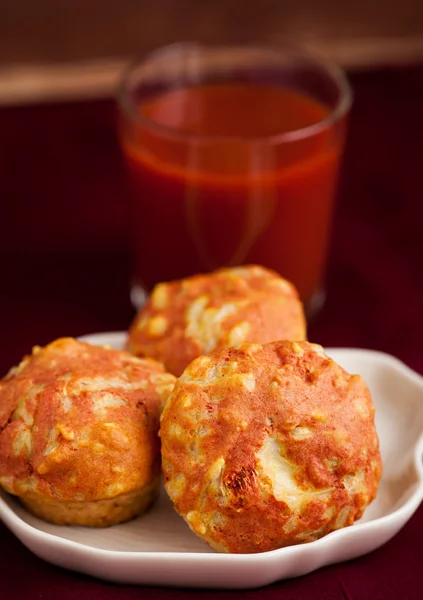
(233, 154)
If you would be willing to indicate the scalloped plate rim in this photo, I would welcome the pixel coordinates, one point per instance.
(391, 523)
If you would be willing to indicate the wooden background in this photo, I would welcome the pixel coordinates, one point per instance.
(76, 48)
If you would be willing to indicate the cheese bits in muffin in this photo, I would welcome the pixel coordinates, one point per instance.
(265, 446)
(79, 433)
(197, 315)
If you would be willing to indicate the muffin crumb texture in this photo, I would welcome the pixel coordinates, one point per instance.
(265, 446)
(197, 315)
(78, 432)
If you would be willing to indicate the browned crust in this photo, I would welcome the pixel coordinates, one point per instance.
(79, 423)
(227, 406)
(98, 513)
(176, 326)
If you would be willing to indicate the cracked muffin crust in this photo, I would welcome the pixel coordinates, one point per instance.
(265, 446)
(190, 317)
(79, 432)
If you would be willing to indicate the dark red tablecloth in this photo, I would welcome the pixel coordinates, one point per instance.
(64, 271)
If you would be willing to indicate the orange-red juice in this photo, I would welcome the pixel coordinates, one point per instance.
(217, 183)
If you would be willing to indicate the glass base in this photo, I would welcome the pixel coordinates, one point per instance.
(138, 296)
(315, 304)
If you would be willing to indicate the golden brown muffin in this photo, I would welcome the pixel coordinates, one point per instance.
(79, 433)
(267, 446)
(194, 316)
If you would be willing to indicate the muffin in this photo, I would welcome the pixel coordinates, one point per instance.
(79, 433)
(185, 319)
(265, 446)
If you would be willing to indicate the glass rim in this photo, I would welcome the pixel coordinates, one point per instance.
(336, 113)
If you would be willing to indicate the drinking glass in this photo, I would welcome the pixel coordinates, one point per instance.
(233, 155)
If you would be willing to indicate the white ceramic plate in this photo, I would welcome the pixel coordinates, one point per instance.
(159, 548)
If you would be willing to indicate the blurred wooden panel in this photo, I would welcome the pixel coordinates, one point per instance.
(67, 48)
(69, 30)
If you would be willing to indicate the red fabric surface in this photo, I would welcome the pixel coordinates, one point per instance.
(64, 271)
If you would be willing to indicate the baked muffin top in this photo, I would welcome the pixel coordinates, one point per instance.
(79, 422)
(269, 445)
(185, 319)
